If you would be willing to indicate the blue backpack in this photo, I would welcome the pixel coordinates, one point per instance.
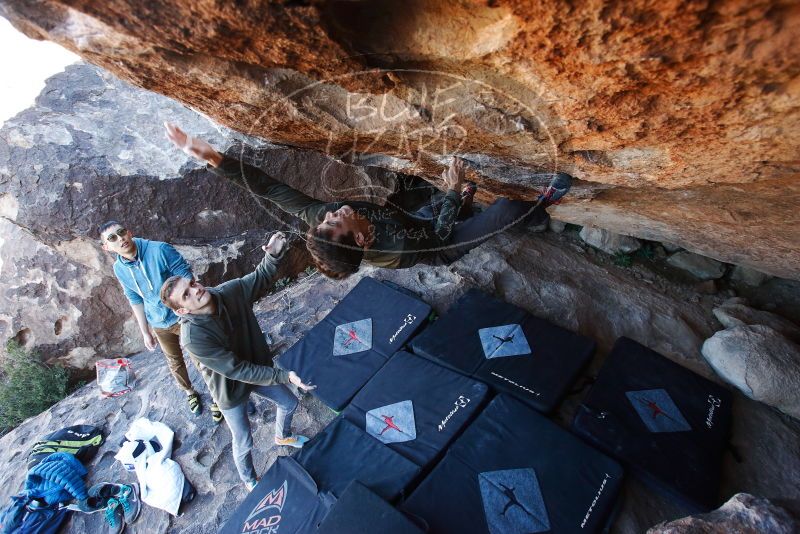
(27, 515)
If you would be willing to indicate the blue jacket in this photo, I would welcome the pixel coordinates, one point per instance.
(57, 478)
(142, 278)
(51, 483)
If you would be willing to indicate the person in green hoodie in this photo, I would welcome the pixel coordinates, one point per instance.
(343, 234)
(221, 333)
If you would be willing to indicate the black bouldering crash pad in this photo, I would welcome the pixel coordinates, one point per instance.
(515, 471)
(509, 349)
(285, 500)
(342, 352)
(360, 511)
(343, 453)
(415, 406)
(667, 424)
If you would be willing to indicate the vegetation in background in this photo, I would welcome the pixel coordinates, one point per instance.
(623, 259)
(281, 284)
(287, 281)
(647, 251)
(28, 386)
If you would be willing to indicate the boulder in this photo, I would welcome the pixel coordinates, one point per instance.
(699, 266)
(92, 149)
(748, 276)
(609, 242)
(760, 362)
(557, 226)
(735, 312)
(611, 92)
(707, 287)
(743, 513)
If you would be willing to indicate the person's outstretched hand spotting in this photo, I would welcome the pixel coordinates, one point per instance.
(275, 245)
(294, 379)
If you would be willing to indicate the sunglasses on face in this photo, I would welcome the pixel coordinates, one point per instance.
(122, 232)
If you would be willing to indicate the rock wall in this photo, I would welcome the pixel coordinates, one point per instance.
(93, 149)
(680, 118)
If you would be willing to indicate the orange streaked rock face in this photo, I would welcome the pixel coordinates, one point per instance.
(679, 118)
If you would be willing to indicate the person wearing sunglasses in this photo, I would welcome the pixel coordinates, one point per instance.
(141, 268)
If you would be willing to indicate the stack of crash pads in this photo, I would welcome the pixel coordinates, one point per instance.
(513, 470)
(504, 346)
(668, 424)
(296, 493)
(342, 352)
(286, 500)
(397, 425)
(360, 511)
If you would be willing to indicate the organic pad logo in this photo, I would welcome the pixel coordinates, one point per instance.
(393, 423)
(658, 412)
(512, 502)
(502, 341)
(351, 338)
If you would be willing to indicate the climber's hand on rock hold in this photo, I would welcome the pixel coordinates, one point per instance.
(197, 148)
(276, 244)
(453, 176)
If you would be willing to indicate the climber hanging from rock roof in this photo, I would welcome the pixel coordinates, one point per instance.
(343, 234)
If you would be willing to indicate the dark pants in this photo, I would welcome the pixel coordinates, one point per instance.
(422, 200)
(498, 217)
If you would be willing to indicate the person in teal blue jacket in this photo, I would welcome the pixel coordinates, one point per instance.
(142, 266)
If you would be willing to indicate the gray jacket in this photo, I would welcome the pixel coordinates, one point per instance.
(229, 345)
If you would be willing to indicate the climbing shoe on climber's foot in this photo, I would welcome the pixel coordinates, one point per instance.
(469, 191)
(556, 189)
(295, 440)
(465, 211)
(216, 413)
(194, 403)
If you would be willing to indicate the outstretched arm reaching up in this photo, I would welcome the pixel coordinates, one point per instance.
(254, 180)
(193, 146)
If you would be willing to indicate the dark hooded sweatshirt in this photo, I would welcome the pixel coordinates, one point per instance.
(229, 345)
(401, 240)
